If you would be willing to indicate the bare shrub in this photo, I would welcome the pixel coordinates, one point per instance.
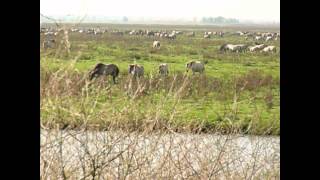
(121, 155)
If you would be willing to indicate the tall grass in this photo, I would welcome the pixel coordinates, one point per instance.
(180, 102)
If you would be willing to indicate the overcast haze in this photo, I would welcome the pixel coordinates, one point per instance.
(256, 10)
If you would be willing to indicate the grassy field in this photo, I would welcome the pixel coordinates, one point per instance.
(239, 92)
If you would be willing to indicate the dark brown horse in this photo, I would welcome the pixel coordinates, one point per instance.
(105, 69)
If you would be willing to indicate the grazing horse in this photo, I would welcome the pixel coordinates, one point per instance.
(191, 34)
(48, 43)
(172, 36)
(156, 44)
(269, 49)
(258, 38)
(164, 69)
(195, 66)
(206, 36)
(268, 38)
(105, 69)
(136, 70)
(257, 47)
(233, 48)
(221, 34)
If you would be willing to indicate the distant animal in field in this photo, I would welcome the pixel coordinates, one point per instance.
(239, 33)
(49, 33)
(195, 66)
(164, 69)
(156, 44)
(104, 69)
(98, 32)
(172, 36)
(258, 38)
(257, 47)
(191, 34)
(150, 33)
(269, 49)
(233, 48)
(268, 38)
(221, 34)
(48, 43)
(136, 70)
(206, 36)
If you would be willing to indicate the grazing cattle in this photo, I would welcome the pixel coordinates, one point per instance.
(48, 43)
(105, 69)
(269, 49)
(163, 69)
(257, 47)
(136, 70)
(156, 44)
(221, 34)
(233, 48)
(195, 66)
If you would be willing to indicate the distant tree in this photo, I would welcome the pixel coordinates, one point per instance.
(219, 20)
(204, 19)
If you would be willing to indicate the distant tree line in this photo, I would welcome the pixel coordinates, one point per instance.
(219, 20)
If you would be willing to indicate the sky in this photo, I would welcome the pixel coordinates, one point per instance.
(256, 10)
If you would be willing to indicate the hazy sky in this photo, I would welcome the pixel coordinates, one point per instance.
(265, 10)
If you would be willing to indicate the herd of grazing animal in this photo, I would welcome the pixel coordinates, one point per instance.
(243, 48)
(169, 34)
(138, 70)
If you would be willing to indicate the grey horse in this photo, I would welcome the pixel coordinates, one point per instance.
(136, 70)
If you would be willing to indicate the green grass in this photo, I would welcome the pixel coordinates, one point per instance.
(208, 103)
